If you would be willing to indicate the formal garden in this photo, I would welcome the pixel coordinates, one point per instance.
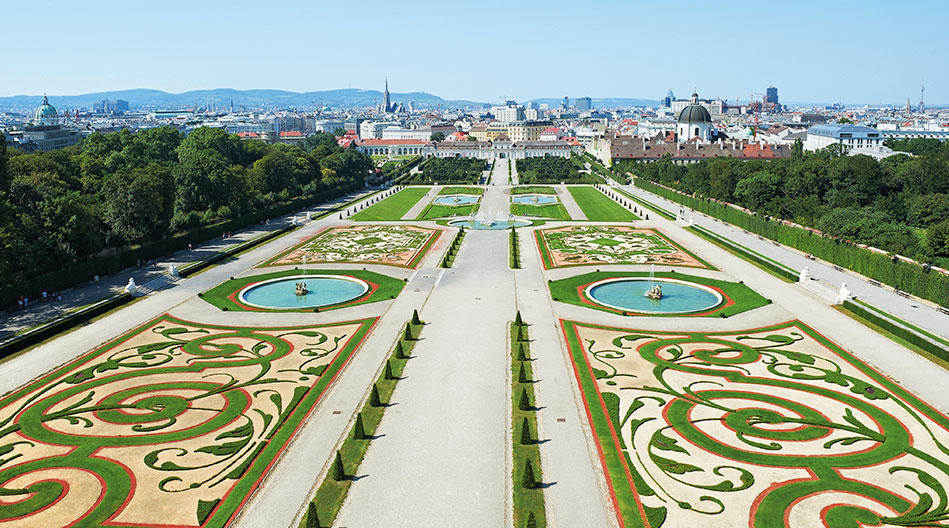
(448, 171)
(539, 201)
(773, 426)
(579, 245)
(172, 424)
(392, 245)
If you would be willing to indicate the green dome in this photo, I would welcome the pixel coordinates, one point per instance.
(45, 112)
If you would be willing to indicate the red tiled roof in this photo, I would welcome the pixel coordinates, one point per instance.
(248, 134)
(551, 130)
(292, 133)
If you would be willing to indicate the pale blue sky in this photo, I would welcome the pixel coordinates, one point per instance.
(857, 51)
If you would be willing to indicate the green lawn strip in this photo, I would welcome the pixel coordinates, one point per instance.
(894, 328)
(461, 190)
(556, 211)
(453, 249)
(599, 207)
(612, 458)
(649, 205)
(388, 288)
(565, 290)
(748, 250)
(442, 211)
(778, 270)
(944, 363)
(393, 207)
(533, 189)
(902, 322)
(514, 250)
(527, 499)
(331, 493)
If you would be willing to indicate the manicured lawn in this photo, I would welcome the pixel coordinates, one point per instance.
(461, 190)
(738, 298)
(393, 207)
(533, 189)
(600, 208)
(442, 211)
(557, 211)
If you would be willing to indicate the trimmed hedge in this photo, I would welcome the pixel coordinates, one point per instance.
(896, 329)
(755, 258)
(908, 277)
(453, 248)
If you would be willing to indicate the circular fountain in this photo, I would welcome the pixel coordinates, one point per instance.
(638, 295)
(455, 199)
(534, 199)
(285, 293)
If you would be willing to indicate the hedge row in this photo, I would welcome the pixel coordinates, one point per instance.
(755, 258)
(452, 252)
(905, 276)
(896, 329)
(75, 273)
(515, 255)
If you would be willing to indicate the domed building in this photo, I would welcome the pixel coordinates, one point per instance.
(45, 115)
(694, 122)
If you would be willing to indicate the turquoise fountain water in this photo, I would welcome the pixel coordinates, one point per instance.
(630, 295)
(455, 199)
(323, 290)
(534, 199)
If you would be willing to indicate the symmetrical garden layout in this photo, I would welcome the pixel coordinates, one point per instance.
(577, 245)
(393, 245)
(769, 427)
(172, 424)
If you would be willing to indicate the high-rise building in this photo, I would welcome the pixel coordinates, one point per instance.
(667, 101)
(386, 102)
(584, 104)
(106, 106)
(771, 96)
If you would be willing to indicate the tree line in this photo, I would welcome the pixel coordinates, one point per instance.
(551, 169)
(899, 204)
(119, 189)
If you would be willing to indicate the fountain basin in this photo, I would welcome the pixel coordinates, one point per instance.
(488, 225)
(534, 199)
(324, 290)
(629, 294)
(455, 199)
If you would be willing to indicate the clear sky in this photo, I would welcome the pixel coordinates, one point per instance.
(853, 51)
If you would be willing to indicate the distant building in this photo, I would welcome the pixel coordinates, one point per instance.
(714, 106)
(664, 146)
(565, 104)
(695, 122)
(850, 136)
(390, 147)
(667, 101)
(770, 98)
(45, 134)
(106, 106)
(509, 112)
(584, 104)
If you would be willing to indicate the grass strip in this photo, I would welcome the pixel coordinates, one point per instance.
(332, 491)
(461, 190)
(556, 211)
(892, 329)
(443, 211)
(453, 249)
(903, 322)
(528, 491)
(393, 207)
(514, 259)
(599, 207)
(764, 263)
(648, 205)
(533, 189)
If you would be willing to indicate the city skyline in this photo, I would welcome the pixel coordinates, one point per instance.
(815, 53)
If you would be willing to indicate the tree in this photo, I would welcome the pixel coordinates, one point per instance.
(526, 432)
(359, 428)
(531, 521)
(312, 519)
(797, 149)
(844, 121)
(339, 472)
(528, 479)
(937, 235)
(437, 136)
(138, 203)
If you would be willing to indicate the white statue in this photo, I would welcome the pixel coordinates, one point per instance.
(131, 287)
(805, 274)
(691, 221)
(173, 271)
(844, 294)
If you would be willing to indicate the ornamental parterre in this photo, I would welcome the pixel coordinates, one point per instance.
(393, 245)
(770, 427)
(592, 244)
(173, 424)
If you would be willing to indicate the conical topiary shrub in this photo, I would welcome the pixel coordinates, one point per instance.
(388, 371)
(531, 521)
(522, 376)
(415, 319)
(339, 472)
(522, 354)
(529, 481)
(522, 333)
(374, 399)
(408, 334)
(359, 429)
(517, 319)
(524, 403)
(312, 520)
(526, 433)
(399, 351)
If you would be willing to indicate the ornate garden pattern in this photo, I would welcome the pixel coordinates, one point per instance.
(578, 245)
(172, 424)
(394, 245)
(770, 427)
